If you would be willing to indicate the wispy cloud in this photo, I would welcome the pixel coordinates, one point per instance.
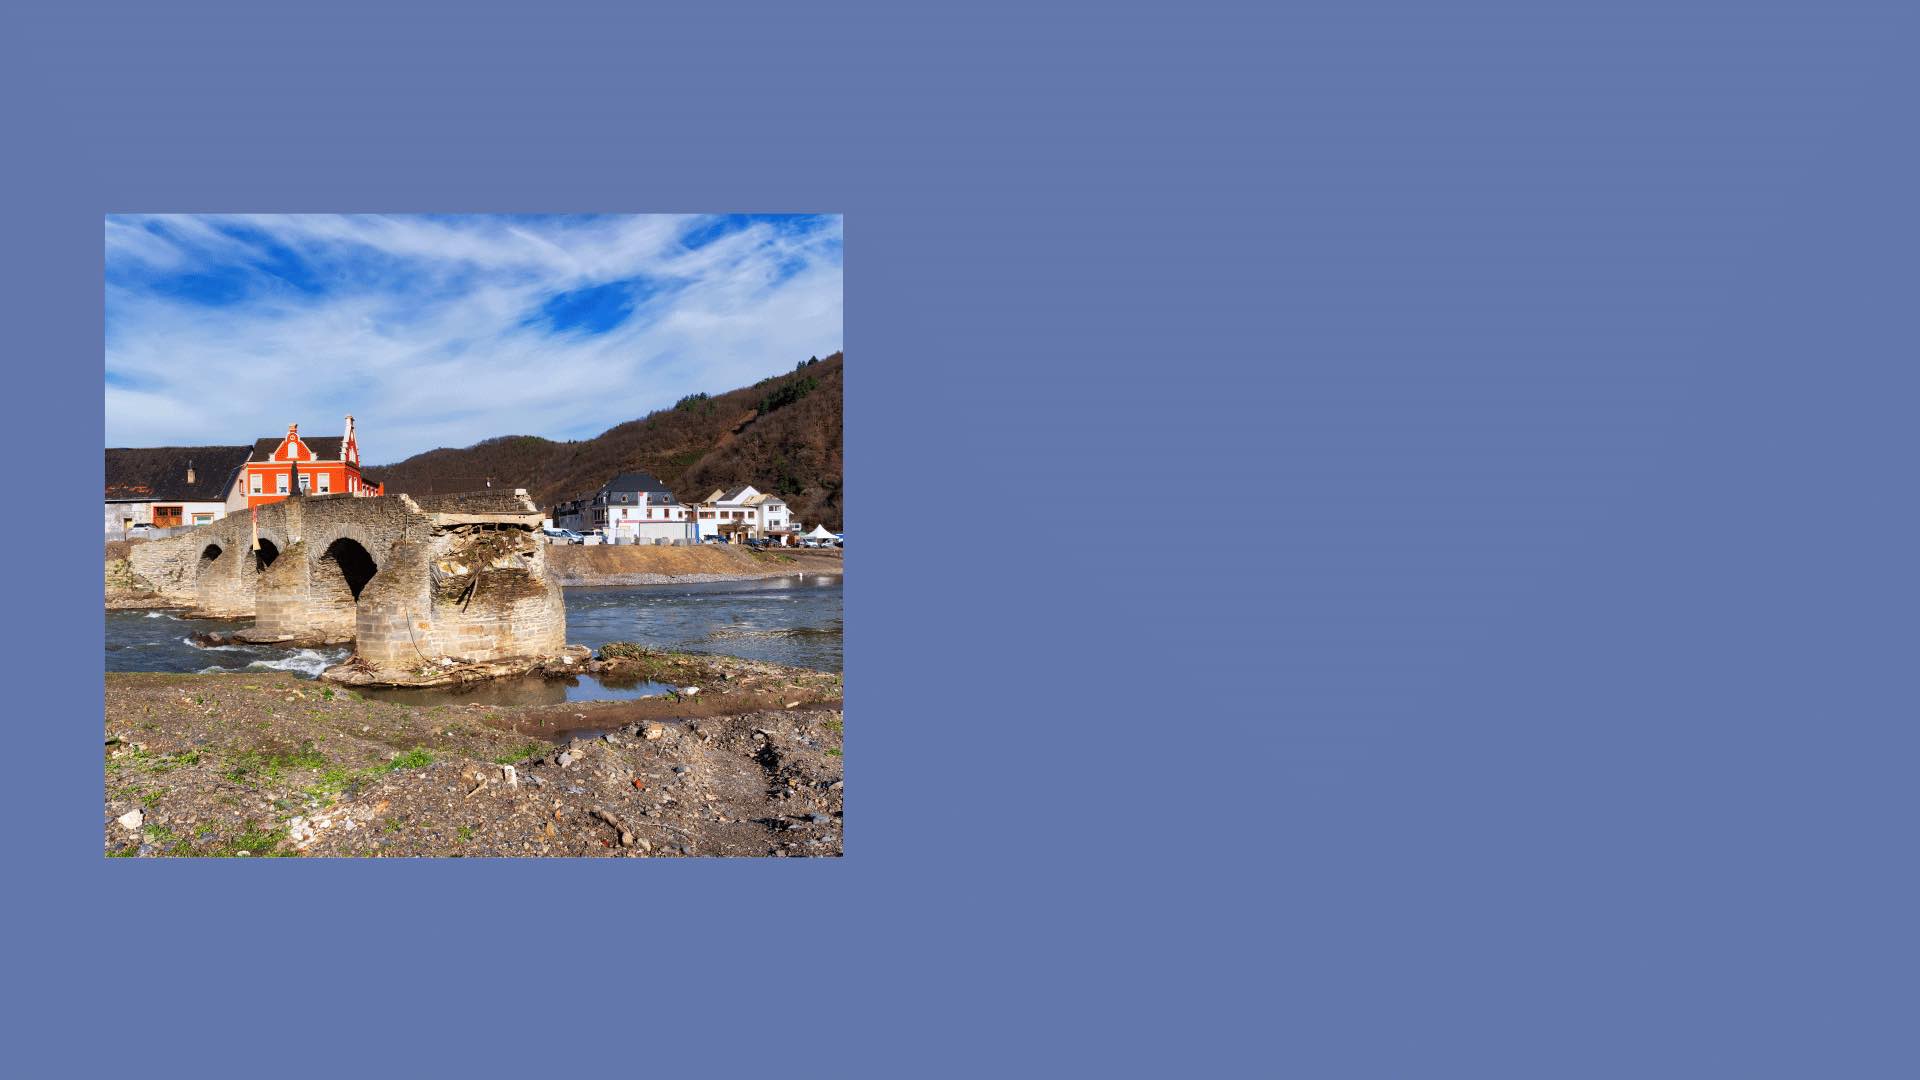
(437, 330)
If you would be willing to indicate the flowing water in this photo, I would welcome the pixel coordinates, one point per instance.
(786, 620)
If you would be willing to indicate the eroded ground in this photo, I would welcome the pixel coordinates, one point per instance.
(261, 765)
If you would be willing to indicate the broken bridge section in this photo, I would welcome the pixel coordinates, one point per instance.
(413, 583)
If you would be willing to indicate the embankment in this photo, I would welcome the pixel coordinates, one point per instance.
(657, 565)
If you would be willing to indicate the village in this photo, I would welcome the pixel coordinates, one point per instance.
(152, 492)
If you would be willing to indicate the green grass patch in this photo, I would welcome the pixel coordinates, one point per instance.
(465, 833)
(515, 757)
(417, 758)
(249, 766)
(833, 751)
(255, 841)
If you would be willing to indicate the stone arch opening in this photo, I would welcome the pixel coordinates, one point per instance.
(348, 562)
(208, 556)
(265, 556)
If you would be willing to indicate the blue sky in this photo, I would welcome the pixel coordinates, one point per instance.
(442, 330)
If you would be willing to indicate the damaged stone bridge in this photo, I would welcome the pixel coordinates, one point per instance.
(413, 583)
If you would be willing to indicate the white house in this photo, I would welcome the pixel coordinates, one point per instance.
(745, 508)
(633, 507)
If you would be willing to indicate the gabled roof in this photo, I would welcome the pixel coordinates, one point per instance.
(159, 473)
(639, 480)
(324, 447)
(736, 493)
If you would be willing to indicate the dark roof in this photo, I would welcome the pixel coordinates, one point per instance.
(159, 473)
(324, 447)
(634, 481)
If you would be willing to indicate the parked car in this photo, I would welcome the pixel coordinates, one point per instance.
(564, 536)
(140, 528)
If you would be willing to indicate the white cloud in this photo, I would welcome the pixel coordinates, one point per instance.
(419, 326)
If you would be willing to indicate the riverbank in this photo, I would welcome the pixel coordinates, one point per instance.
(269, 764)
(653, 564)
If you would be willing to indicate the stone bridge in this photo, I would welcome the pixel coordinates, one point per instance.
(411, 582)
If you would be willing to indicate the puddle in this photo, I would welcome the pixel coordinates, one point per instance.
(519, 693)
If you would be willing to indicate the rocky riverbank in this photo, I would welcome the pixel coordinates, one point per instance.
(744, 760)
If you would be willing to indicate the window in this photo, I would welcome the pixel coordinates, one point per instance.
(280, 484)
(306, 482)
(203, 519)
(256, 483)
(326, 483)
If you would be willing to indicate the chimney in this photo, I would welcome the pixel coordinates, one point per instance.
(346, 440)
(189, 470)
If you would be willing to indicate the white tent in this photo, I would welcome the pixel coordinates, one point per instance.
(819, 533)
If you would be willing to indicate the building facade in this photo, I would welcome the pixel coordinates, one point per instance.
(633, 507)
(316, 465)
(745, 510)
(167, 487)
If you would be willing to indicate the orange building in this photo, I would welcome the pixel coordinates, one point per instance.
(322, 465)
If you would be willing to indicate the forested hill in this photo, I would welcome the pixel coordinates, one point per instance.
(782, 435)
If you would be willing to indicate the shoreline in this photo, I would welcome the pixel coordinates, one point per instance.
(743, 761)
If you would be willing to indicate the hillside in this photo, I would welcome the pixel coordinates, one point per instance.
(780, 434)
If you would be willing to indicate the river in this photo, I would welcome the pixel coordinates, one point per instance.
(786, 620)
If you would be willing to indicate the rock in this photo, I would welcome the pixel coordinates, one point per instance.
(653, 732)
(510, 775)
(819, 819)
(566, 759)
(837, 785)
(131, 820)
(681, 769)
(689, 690)
(793, 704)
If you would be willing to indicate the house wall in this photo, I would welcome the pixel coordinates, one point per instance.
(142, 513)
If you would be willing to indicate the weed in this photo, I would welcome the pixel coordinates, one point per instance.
(465, 833)
(417, 758)
(123, 853)
(833, 751)
(515, 757)
(392, 825)
(254, 841)
(150, 799)
(160, 834)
